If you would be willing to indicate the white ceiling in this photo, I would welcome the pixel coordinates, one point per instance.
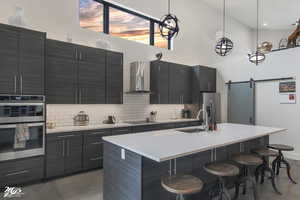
(277, 14)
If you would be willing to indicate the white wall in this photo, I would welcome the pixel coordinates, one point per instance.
(269, 111)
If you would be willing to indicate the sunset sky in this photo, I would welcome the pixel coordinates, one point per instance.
(122, 24)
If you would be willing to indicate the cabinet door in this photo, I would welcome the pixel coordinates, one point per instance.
(61, 81)
(114, 78)
(187, 85)
(8, 60)
(93, 149)
(159, 82)
(73, 156)
(175, 83)
(61, 49)
(55, 153)
(32, 53)
(207, 79)
(91, 76)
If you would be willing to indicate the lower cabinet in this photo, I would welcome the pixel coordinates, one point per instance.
(93, 149)
(63, 154)
(18, 172)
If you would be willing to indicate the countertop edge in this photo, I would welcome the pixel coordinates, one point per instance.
(192, 152)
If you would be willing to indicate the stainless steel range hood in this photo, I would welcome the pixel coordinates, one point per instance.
(139, 78)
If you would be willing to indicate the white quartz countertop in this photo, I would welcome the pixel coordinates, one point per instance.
(170, 144)
(108, 126)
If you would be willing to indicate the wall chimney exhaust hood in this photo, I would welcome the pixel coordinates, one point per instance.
(139, 78)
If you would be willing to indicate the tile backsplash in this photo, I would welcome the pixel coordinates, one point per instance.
(135, 107)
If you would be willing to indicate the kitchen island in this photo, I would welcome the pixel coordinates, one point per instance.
(134, 164)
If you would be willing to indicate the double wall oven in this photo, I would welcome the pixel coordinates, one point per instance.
(22, 126)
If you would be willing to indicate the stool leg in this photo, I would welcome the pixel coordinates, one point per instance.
(254, 188)
(262, 175)
(273, 180)
(237, 191)
(258, 171)
(274, 164)
(278, 165)
(288, 169)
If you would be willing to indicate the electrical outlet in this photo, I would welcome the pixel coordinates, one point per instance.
(123, 154)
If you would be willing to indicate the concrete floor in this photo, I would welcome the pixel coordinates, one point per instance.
(88, 186)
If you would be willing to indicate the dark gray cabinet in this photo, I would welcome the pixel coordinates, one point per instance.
(22, 56)
(170, 83)
(63, 154)
(114, 77)
(159, 82)
(61, 73)
(61, 81)
(83, 75)
(203, 80)
(180, 84)
(91, 76)
(93, 149)
(17, 172)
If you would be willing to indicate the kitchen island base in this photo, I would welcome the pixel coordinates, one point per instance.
(130, 176)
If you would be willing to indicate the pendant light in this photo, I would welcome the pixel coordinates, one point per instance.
(257, 57)
(224, 45)
(168, 25)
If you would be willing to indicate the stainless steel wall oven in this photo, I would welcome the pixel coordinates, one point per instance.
(22, 126)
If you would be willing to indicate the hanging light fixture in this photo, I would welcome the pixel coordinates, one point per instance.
(257, 57)
(224, 45)
(168, 25)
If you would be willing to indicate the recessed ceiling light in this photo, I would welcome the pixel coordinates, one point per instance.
(265, 24)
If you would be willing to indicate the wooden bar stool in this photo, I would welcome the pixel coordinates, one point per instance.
(246, 161)
(276, 164)
(265, 153)
(221, 170)
(182, 185)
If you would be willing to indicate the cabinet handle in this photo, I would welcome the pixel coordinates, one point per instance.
(76, 54)
(96, 143)
(98, 158)
(79, 96)
(75, 96)
(63, 149)
(80, 56)
(15, 84)
(68, 148)
(159, 98)
(97, 133)
(21, 83)
(65, 136)
(17, 173)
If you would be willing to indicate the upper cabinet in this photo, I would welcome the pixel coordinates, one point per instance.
(61, 73)
(83, 75)
(91, 76)
(159, 82)
(173, 83)
(170, 83)
(204, 79)
(180, 84)
(114, 77)
(22, 54)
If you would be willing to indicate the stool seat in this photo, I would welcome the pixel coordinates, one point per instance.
(265, 152)
(281, 147)
(222, 169)
(182, 184)
(247, 159)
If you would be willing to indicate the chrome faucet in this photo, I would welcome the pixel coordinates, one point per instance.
(206, 118)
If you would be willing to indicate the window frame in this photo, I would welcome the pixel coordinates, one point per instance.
(152, 21)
